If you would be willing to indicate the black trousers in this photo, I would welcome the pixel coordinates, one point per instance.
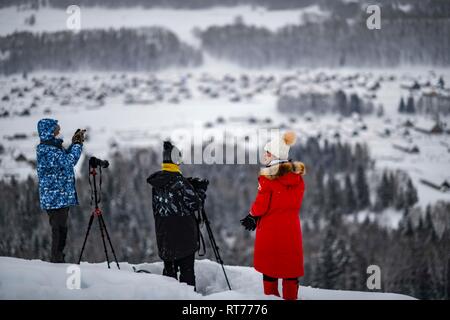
(58, 222)
(185, 266)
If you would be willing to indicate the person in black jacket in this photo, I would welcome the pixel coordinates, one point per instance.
(175, 202)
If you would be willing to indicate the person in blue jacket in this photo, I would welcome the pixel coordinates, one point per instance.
(55, 170)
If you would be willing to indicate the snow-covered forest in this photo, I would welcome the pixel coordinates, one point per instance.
(370, 107)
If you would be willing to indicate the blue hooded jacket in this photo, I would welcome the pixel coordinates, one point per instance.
(55, 168)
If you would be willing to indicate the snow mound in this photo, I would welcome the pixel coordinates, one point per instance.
(35, 279)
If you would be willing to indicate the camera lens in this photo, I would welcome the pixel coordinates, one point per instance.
(95, 162)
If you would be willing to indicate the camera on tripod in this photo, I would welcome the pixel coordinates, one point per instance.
(95, 162)
(199, 184)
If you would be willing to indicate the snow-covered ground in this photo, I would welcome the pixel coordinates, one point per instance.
(35, 279)
(181, 22)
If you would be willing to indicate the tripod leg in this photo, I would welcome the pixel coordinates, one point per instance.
(216, 251)
(103, 239)
(226, 277)
(109, 240)
(85, 238)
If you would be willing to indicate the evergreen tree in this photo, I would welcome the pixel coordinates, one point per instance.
(362, 188)
(410, 107)
(355, 103)
(332, 259)
(411, 196)
(441, 83)
(319, 191)
(421, 269)
(402, 106)
(333, 194)
(341, 103)
(349, 195)
(383, 193)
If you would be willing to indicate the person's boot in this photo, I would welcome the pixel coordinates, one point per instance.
(187, 276)
(290, 289)
(271, 288)
(170, 269)
(187, 270)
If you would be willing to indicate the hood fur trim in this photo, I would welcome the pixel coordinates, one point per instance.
(280, 169)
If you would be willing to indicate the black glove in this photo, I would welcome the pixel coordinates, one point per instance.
(78, 137)
(249, 222)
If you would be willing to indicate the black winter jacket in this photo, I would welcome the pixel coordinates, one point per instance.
(174, 203)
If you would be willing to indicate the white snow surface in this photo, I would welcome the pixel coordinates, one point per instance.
(36, 279)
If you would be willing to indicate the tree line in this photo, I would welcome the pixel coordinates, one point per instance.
(341, 9)
(319, 103)
(145, 49)
(332, 43)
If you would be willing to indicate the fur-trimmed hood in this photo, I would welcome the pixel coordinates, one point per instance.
(280, 169)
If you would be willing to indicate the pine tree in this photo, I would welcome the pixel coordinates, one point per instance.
(350, 197)
(320, 188)
(341, 103)
(402, 107)
(410, 107)
(384, 195)
(441, 83)
(424, 285)
(332, 259)
(410, 196)
(362, 188)
(355, 103)
(333, 194)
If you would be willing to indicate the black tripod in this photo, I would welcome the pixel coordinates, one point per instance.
(101, 222)
(214, 244)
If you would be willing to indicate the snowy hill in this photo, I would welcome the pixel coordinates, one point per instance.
(35, 279)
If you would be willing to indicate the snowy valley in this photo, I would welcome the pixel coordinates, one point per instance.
(371, 110)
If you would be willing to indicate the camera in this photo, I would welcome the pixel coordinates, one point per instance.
(200, 185)
(95, 162)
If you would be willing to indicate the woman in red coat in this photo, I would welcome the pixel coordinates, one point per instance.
(275, 215)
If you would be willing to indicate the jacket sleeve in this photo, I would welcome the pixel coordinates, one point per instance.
(69, 159)
(262, 202)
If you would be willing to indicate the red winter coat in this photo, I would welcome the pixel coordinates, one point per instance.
(278, 243)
